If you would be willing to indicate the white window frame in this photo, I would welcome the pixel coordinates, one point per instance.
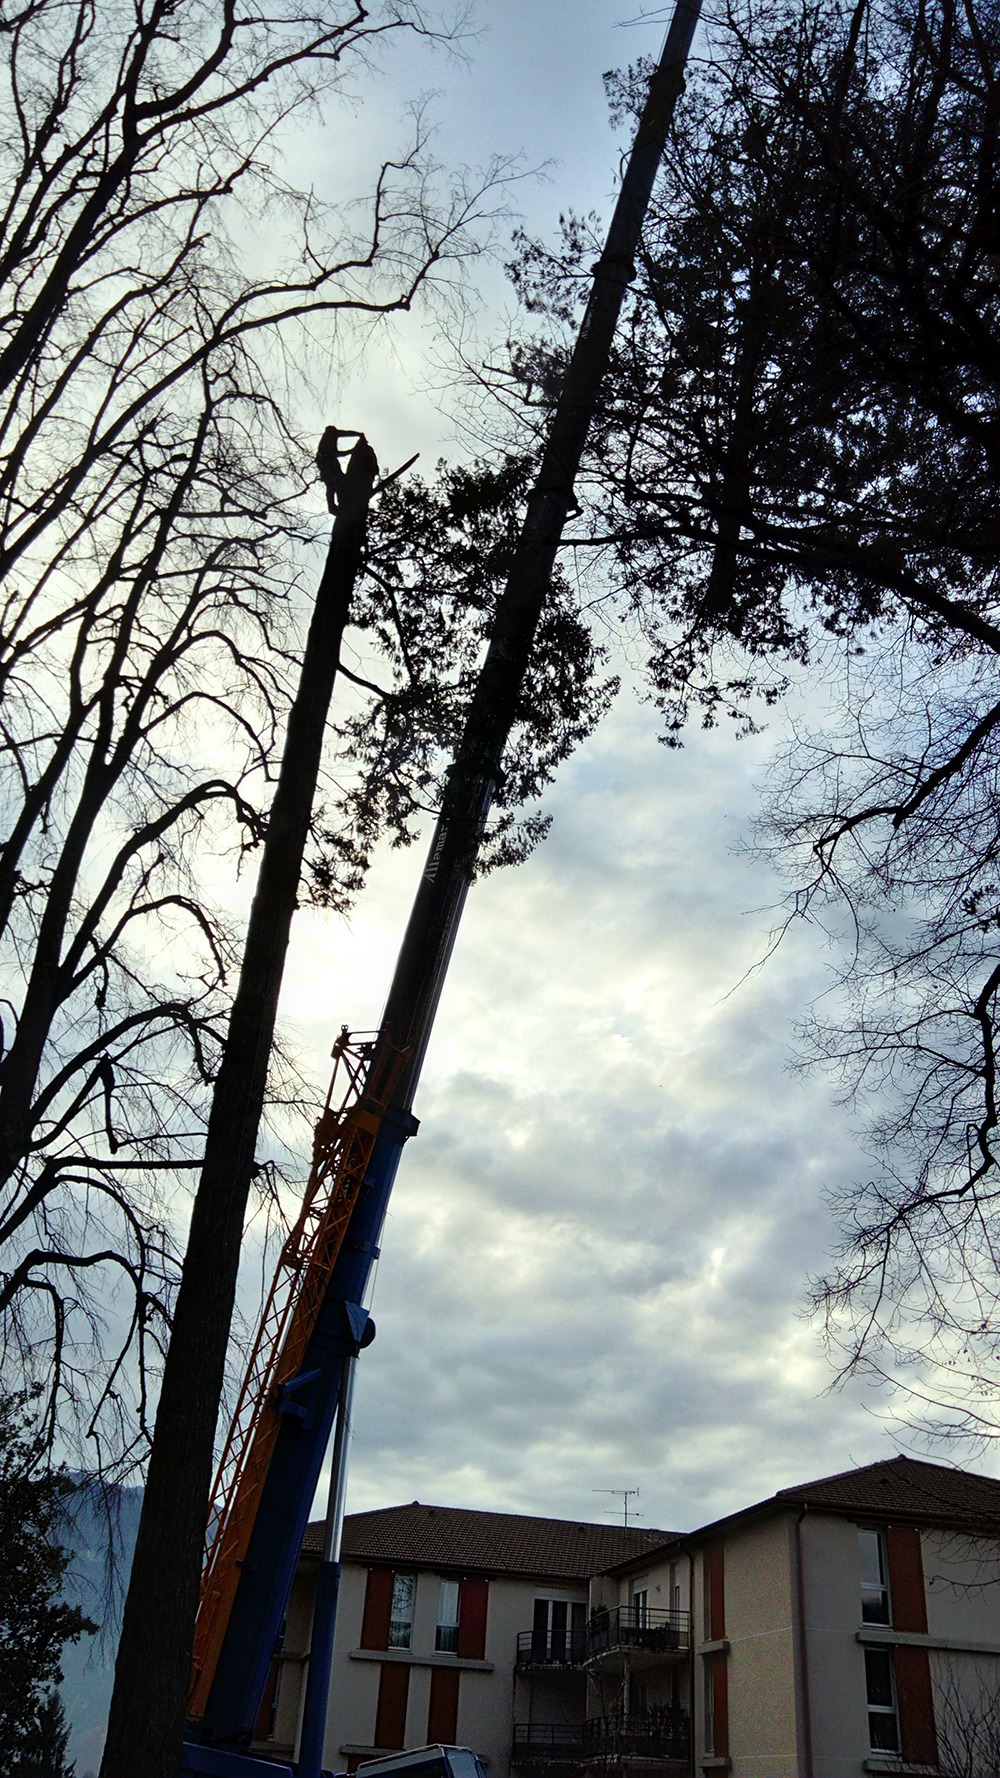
(876, 1604)
(446, 1633)
(884, 1712)
(404, 1595)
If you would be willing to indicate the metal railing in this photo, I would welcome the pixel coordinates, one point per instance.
(638, 1627)
(554, 1648)
(548, 1743)
(663, 1734)
(623, 1627)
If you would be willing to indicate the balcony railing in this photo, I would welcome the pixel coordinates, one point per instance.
(638, 1627)
(556, 1648)
(632, 1627)
(547, 1744)
(663, 1735)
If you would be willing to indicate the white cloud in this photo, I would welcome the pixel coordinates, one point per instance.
(594, 1261)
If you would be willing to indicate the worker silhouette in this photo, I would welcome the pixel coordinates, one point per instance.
(349, 490)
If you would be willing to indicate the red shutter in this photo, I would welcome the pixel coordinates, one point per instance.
(378, 1605)
(715, 1607)
(906, 1578)
(390, 1717)
(917, 1738)
(442, 1717)
(472, 1598)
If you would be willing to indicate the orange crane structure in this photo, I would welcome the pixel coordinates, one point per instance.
(365, 1074)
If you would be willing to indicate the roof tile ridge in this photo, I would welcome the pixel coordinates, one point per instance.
(861, 1469)
(969, 1475)
(882, 1463)
(486, 1512)
(839, 1475)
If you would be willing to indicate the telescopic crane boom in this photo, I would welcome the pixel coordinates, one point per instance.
(291, 1400)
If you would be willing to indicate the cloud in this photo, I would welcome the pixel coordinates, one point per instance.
(594, 1260)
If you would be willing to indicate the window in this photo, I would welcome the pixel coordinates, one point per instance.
(640, 1607)
(716, 1680)
(874, 1587)
(404, 1587)
(883, 1723)
(446, 1634)
(559, 1631)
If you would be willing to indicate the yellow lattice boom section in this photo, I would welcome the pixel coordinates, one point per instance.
(345, 1137)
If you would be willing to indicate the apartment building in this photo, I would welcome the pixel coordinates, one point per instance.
(849, 1625)
(439, 1610)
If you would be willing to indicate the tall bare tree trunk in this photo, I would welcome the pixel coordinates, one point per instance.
(152, 1672)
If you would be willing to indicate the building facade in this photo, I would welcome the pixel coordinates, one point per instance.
(452, 1626)
(848, 1626)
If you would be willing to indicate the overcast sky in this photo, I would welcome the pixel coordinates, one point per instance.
(593, 1269)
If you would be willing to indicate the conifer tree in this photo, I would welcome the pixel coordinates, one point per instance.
(35, 1621)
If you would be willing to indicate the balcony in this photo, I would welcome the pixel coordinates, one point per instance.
(636, 1630)
(556, 1648)
(548, 1744)
(645, 1636)
(661, 1738)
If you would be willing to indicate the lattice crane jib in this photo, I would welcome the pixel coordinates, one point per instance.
(344, 1138)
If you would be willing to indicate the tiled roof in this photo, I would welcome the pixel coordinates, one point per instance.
(897, 1488)
(564, 1549)
(493, 1543)
(905, 1486)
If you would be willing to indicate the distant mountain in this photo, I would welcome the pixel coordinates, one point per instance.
(101, 1531)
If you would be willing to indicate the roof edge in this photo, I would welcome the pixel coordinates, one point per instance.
(786, 1501)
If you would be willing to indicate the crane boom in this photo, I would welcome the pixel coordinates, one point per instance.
(283, 1494)
(344, 1139)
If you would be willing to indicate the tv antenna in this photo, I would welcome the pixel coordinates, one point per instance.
(626, 1495)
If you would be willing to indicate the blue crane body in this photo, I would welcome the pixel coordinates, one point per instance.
(294, 1471)
(307, 1401)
